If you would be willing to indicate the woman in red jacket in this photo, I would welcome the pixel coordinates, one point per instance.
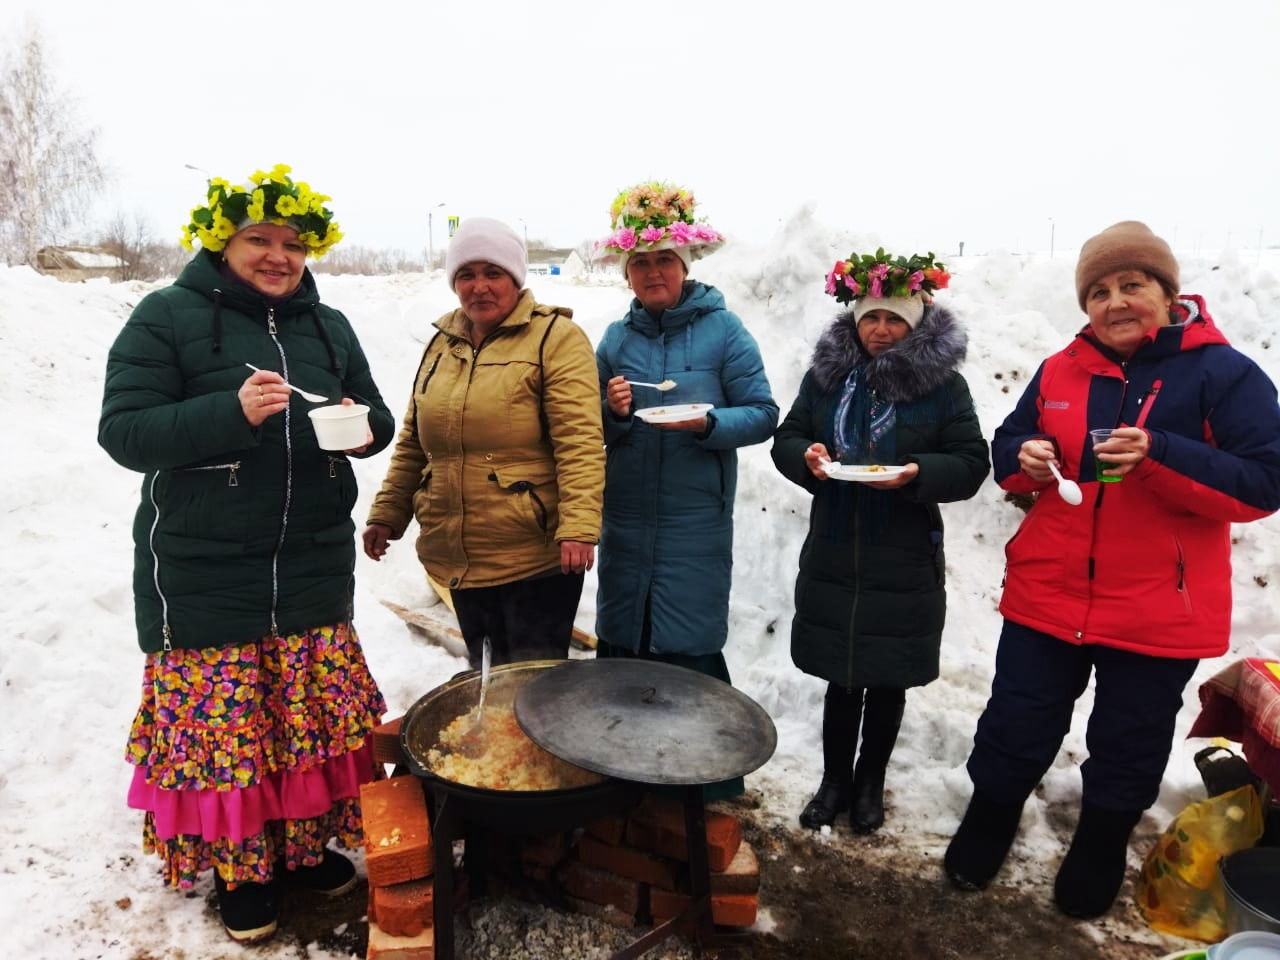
(1133, 585)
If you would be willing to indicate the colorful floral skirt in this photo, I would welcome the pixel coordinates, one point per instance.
(252, 755)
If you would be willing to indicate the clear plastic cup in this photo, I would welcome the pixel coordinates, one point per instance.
(1102, 435)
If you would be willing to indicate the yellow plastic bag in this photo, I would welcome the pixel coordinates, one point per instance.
(1179, 891)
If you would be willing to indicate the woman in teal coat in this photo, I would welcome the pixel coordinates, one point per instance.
(250, 743)
(884, 391)
(666, 548)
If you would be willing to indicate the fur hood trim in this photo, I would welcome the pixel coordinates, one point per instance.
(916, 365)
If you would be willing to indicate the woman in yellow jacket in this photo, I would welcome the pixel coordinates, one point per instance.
(500, 458)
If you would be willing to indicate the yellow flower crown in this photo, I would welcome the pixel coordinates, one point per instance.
(272, 198)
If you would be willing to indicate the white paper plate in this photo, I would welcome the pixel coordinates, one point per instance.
(860, 473)
(674, 412)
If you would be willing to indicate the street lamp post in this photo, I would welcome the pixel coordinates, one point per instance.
(1052, 226)
(526, 233)
(431, 255)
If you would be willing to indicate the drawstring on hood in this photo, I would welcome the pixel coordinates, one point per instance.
(217, 320)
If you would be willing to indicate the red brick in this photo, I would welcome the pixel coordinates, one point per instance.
(742, 874)
(627, 862)
(609, 829)
(404, 909)
(602, 911)
(599, 886)
(724, 833)
(397, 833)
(383, 946)
(386, 743)
(727, 909)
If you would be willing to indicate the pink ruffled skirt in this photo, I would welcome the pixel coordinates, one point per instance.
(252, 755)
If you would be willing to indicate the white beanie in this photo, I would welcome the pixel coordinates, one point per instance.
(910, 309)
(683, 251)
(483, 238)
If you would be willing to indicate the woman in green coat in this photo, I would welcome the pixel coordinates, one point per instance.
(883, 430)
(250, 744)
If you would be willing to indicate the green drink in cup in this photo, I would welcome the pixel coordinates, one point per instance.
(1099, 437)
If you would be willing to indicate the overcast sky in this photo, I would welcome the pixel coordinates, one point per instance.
(986, 121)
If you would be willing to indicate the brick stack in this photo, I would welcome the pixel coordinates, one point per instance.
(629, 870)
(400, 864)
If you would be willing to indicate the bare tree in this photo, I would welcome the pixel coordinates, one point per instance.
(129, 240)
(48, 162)
(586, 250)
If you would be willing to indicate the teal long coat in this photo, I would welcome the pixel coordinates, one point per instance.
(240, 531)
(668, 496)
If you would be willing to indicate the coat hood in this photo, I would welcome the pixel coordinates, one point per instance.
(919, 363)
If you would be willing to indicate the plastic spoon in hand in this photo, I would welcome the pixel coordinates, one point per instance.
(664, 385)
(313, 397)
(1068, 490)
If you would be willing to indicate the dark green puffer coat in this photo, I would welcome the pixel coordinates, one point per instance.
(870, 596)
(240, 531)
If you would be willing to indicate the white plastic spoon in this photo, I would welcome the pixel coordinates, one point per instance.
(313, 397)
(664, 385)
(1068, 490)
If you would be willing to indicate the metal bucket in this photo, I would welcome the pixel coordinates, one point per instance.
(1251, 881)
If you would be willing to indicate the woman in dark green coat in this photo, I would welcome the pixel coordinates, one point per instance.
(882, 398)
(250, 744)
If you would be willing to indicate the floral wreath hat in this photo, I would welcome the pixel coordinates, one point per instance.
(881, 276)
(655, 216)
(268, 198)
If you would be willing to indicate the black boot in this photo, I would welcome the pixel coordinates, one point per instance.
(840, 715)
(881, 718)
(250, 911)
(982, 841)
(1093, 870)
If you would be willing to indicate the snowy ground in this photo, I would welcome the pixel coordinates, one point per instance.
(72, 881)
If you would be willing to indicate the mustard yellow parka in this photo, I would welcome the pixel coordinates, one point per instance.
(501, 453)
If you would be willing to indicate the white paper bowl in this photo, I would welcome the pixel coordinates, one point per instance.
(341, 426)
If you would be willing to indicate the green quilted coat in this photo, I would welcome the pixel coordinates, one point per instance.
(241, 531)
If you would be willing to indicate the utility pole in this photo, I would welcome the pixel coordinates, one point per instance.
(431, 255)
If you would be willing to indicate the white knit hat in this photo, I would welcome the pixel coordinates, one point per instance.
(910, 309)
(483, 238)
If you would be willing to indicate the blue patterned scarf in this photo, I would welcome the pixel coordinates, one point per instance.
(864, 421)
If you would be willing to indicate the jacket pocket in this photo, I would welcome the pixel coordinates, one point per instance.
(205, 501)
(533, 495)
(1180, 573)
(339, 472)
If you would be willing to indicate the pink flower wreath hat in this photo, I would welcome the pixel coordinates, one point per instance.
(655, 216)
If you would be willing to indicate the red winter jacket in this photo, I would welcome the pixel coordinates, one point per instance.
(1144, 564)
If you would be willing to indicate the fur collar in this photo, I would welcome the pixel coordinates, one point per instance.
(917, 364)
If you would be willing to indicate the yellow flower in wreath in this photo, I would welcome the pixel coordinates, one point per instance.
(254, 210)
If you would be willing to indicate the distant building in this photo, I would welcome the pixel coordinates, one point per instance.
(79, 263)
(556, 263)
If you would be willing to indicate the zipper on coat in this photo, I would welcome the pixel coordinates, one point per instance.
(1146, 403)
(1182, 575)
(231, 468)
(333, 465)
(165, 632)
(288, 478)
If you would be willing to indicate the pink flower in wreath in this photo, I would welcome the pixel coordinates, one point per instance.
(852, 284)
(705, 234)
(681, 232)
(624, 239)
(831, 280)
(651, 234)
(917, 280)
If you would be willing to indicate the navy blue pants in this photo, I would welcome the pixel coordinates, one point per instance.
(1038, 680)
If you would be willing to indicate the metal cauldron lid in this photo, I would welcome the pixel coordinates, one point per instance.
(645, 721)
